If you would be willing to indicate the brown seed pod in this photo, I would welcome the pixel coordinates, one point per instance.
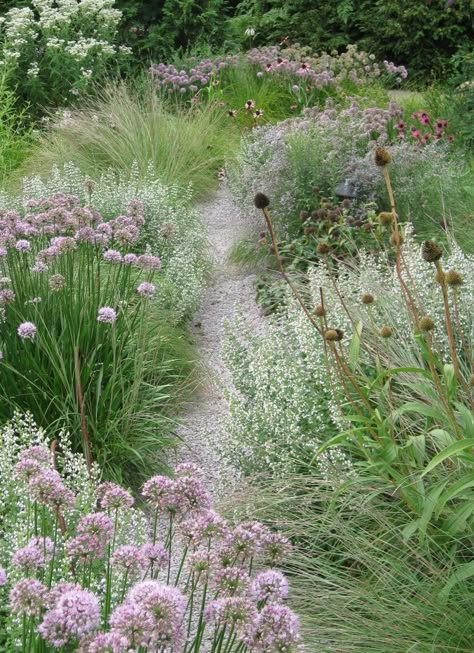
(308, 230)
(320, 311)
(261, 201)
(346, 203)
(385, 218)
(426, 324)
(386, 332)
(323, 248)
(454, 278)
(304, 215)
(367, 298)
(382, 157)
(431, 251)
(334, 335)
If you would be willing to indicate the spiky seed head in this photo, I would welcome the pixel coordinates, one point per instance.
(367, 298)
(386, 331)
(334, 335)
(309, 230)
(385, 218)
(304, 215)
(454, 278)
(320, 311)
(323, 248)
(382, 157)
(396, 239)
(346, 203)
(261, 201)
(431, 251)
(426, 324)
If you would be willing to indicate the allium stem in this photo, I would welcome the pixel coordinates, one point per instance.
(80, 400)
(180, 568)
(448, 321)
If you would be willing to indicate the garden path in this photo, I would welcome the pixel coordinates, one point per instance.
(230, 286)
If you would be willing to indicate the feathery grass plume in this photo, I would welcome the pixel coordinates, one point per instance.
(431, 251)
(382, 157)
(386, 332)
(454, 278)
(323, 249)
(367, 298)
(426, 324)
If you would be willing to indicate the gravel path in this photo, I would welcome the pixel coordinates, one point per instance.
(230, 286)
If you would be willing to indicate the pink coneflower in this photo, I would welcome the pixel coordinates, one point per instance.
(232, 113)
(425, 138)
(107, 315)
(415, 115)
(146, 289)
(415, 133)
(450, 138)
(439, 126)
(258, 114)
(400, 126)
(425, 119)
(27, 331)
(249, 105)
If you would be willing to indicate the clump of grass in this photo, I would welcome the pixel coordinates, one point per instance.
(15, 136)
(126, 125)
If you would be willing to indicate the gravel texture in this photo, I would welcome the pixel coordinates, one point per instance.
(230, 286)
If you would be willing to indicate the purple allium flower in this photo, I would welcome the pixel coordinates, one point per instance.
(3, 577)
(39, 266)
(130, 259)
(87, 234)
(47, 488)
(23, 245)
(112, 496)
(26, 469)
(106, 315)
(76, 614)
(234, 610)
(201, 561)
(276, 547)
(247, 539)
(146, 289)
(202, 527)
(162, 608)
(38, 453)
(231, 581)
(128, 236)
(64, 243)
(35, 555)
(130, 626)
(276, 629)
(148, 262)
(27, 331)
(188, 469)
(56, 282)
(105, 229)
(129, 558)
(112, 256)
(159, 492)
(3, 251)
(270, 586)
(97, 524)
(7, 296)
(29, 597)
(191, 495)
(155, 556)
(48, 253)
(100, 643)
(85, 548)
(135, 207)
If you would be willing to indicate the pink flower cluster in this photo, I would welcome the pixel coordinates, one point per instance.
(44, 484)
(424, 130)
(197, 75)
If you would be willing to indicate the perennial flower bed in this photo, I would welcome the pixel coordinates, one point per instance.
(85, 570)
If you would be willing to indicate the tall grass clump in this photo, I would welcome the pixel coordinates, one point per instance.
(87, 340)
(83, 569)
(125, 125)
(15, 135)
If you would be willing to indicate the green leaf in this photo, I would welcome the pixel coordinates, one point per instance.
(463, 572)
(429, 506)
(456, 521)
(417, 407)
(451, 451)
(450, 378)
(456, 489)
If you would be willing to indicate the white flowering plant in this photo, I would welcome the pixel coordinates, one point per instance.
(88, 334)
(83, 569)
(54, 50)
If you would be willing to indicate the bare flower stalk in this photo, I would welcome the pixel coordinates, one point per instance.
(82, 413)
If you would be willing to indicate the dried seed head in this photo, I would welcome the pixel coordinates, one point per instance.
(454, 278)
(334, 335)
(309, 230)
(261, 201)
(385, 331)
(431, 251)
(382, 157)
(426, 324)
(323, 248)
(320, 311)
(396, 239)
(346, 203)
(304, 215)
(367, 298)
(385, 218)
(263, 234)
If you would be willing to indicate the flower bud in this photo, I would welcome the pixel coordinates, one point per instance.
(385, 332)
(426, 324)
(367, 298)
(382, 157)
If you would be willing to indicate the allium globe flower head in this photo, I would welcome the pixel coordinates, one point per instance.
(112, 256)
(162, 608)
(191, 495)
(37, 452)
(203, 526)
(23, 245)
(113, 497)
(276, 629)
(129, 627)
(35, 555)
(56, 282)
(129, 558)
(75, 614)
(128, 236)
(28, 597)
(7, 296)
(146, 289)
(85, 548)
(135, 208)
(130, 259)
(64, 243)
(27, 331)
(231, 581)
(159, 492)
(148, 262)
(39, 266)
(96, 524)
(3, 577)
(101, 643)
(247, 539)
(270, 586)
(47, 488)
(276, 547)
(155, 556)
(238, 611)
(3, 252)
(107, 315)
(188, 469)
